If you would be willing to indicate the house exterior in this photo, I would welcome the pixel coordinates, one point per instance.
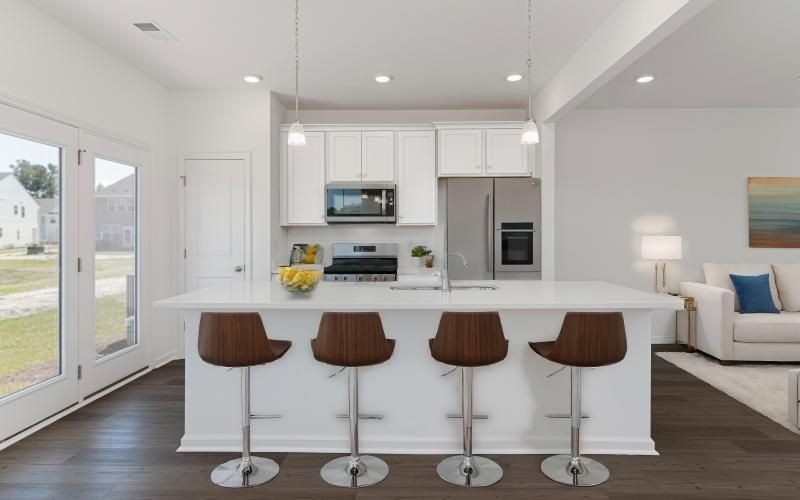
(49, 226)
(115, 215)
(18, 213)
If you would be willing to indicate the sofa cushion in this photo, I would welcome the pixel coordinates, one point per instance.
(719, 275)
(787, 278)
(754, 294)
(769, 328)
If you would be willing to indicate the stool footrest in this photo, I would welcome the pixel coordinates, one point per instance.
(564, 415)
(475, 416)
(363, 416)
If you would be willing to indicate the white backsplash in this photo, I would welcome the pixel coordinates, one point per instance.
(405, 236)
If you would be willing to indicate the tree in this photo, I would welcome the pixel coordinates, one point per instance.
(38, 180)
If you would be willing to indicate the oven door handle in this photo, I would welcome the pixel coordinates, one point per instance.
(516, 230)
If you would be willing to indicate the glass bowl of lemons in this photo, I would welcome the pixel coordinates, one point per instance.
(299, 280)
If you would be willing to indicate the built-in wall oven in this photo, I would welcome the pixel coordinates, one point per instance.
(515, 244)
(360, 203)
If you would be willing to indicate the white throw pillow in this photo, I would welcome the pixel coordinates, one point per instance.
(720, 275)
(787, 277)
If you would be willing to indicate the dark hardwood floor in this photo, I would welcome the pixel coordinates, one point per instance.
(123, 447)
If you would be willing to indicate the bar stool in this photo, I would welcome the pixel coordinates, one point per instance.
(585, 340)
(352, 340)
(467, 340)
(239, 340)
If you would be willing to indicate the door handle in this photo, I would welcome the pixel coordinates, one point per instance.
(238, 269)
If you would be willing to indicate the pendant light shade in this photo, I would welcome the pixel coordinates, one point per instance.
(530, 133)
(297, 136)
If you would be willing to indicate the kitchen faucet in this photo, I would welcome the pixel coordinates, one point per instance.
(446, 275)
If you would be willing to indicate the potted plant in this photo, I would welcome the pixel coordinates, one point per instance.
(428, 259)
(418, 253)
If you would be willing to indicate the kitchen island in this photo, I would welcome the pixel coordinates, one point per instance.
(410, 391)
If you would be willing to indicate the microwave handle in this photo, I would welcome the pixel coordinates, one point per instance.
(383, 202)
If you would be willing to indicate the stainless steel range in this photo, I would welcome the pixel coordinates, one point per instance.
(363, 262)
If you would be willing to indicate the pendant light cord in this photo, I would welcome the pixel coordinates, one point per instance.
(297, 59)
(530, 57)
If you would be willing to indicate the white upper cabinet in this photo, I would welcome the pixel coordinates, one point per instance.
(344, 156)
(303, 168)
(416, 178)
(377, 156)
(460, 152)
(504, 154)
(482, 149)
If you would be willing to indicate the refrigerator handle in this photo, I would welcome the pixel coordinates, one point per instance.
(489, 234)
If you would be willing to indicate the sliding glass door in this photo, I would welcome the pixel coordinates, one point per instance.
(111, 345)
(38, 275)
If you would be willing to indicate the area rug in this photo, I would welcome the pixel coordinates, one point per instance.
(762, 387)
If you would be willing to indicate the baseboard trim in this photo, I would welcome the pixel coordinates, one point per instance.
(418, 446)
(164, 359)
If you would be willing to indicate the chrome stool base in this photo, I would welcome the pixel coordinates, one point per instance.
(586, 472)
(347, 473)
(479, 472)
(231, 475)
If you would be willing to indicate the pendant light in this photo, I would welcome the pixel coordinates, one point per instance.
(530, 132)
(297, 136)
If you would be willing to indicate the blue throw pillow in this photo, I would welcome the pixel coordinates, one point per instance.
(754, 294)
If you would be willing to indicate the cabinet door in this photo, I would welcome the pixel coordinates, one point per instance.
(305, 186)
(377, 156)
(460, 153)
(504, 154)
(416, 178)
(344, 156)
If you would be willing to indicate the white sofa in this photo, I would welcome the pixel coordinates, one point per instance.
(730, 336)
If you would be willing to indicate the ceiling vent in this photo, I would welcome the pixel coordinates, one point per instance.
(154, 30)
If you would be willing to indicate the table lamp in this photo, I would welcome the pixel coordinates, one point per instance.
(661, 249)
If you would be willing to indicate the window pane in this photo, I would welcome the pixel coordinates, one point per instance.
(30, 277)
(115, 257)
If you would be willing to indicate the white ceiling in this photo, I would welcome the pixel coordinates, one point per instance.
(735, 53)
(443, 53)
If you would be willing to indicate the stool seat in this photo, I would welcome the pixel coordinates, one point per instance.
(543, 349)
(351, 340)
(469, 339)
(586, 340)
(237, 340)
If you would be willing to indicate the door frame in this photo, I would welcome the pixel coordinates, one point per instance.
(245, 156)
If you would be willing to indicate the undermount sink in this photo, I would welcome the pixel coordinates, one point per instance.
(454, 287)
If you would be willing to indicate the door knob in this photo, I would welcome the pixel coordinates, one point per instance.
(238, 269)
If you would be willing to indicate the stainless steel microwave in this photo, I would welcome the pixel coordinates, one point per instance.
(360, 203)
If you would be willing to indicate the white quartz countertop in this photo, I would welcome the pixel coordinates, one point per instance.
(510, 295)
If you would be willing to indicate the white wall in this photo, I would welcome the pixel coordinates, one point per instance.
(230, 121)
(46, 66)
(624, 173)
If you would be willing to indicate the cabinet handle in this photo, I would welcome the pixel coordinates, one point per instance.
(478, 166)
(489, 166)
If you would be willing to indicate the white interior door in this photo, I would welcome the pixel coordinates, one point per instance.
(216, 221)
(38, 272)
(112, 344)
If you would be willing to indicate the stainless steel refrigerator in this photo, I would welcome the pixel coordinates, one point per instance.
(494, 223)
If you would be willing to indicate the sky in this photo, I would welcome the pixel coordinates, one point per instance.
(13, 148)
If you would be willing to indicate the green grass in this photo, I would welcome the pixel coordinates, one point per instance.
(25, 275)
(31, 341)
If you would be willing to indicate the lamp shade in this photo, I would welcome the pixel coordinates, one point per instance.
(530, 133)
(662, 247)
(297, 136)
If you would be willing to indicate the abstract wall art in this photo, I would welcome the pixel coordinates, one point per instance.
(774, 212)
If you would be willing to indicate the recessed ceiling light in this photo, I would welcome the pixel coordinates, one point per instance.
(645, 79)
(252, 78)
(383, 78)
(514, 77)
